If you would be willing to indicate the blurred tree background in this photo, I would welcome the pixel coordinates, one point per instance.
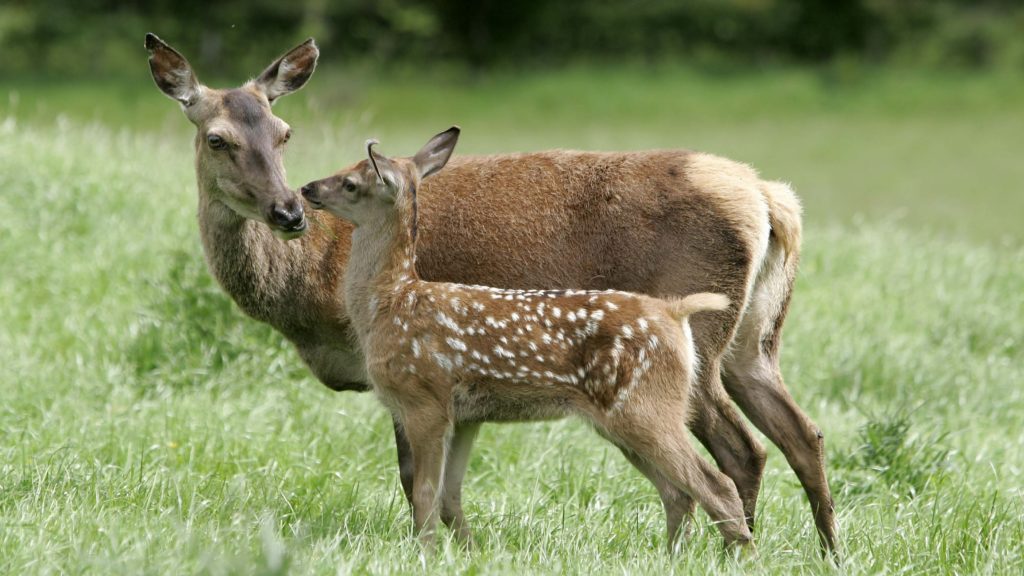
(102, 37)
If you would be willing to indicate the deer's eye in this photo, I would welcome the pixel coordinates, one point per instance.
(348, 186)
(216, 142)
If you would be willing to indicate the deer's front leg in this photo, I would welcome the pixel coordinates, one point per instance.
(405, 467)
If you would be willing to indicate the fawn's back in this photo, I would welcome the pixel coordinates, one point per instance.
(523, 354)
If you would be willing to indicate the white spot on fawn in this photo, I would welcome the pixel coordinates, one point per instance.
(446, 321)
(443, 361)
(456, 343)
(504, 353)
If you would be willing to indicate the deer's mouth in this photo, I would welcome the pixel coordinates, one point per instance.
(291, 232)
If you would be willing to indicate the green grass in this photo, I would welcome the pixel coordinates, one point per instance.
(147, 427)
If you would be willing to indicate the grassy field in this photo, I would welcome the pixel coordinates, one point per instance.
(147, 427)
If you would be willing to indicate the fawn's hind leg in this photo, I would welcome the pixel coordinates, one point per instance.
(678, 504)
(657, 433)
(455, 470)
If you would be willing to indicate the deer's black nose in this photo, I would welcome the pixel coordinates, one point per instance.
(288, 215)
(307, 189)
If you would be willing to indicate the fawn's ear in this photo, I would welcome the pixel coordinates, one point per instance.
(289, 72)
(435, 153)
(384, 168)
(172, 73)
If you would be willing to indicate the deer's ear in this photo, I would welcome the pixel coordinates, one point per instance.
(435, 153)
(289, 72)
(384, 168)
(172, 73)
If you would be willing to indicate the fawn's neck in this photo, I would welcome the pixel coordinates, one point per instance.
(383, 260)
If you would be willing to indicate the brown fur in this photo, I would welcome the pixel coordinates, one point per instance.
(441, 355)
(667, 223)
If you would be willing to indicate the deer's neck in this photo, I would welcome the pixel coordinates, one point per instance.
(280, 283)
(382, 262)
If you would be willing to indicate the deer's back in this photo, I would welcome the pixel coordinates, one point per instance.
(660, 222)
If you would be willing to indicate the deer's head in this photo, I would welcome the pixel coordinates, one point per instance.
(369, 189)
(239, 141)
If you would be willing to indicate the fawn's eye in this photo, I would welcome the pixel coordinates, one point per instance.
(348, 186)
(216, 142)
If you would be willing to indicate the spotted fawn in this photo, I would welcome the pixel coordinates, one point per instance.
(444, 357)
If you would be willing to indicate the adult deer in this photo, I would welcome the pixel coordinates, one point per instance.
(668, 223)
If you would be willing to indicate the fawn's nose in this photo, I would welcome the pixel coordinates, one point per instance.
(312, 195)
(288, 215)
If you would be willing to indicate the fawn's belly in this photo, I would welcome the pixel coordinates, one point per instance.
(473, 403)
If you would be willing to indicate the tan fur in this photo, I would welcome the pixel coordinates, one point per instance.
(784, 215)
(680, 308)
(443, 355)
(664, 223)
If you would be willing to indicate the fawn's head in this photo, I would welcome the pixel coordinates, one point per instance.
(239, 141)
(368, 191)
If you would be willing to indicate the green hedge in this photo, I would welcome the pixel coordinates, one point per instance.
(229, 36)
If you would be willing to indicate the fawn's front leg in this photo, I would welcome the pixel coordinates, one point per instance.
(455, 469)
(428, 429)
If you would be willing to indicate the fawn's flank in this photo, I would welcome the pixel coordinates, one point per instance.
(445, 357)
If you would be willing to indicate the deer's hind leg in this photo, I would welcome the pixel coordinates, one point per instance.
(761, 394)
(719, 427)
(753, 379)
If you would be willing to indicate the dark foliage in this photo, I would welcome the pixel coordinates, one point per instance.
(234, 36)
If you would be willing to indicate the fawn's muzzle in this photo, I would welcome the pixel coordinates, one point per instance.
(309, 192)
